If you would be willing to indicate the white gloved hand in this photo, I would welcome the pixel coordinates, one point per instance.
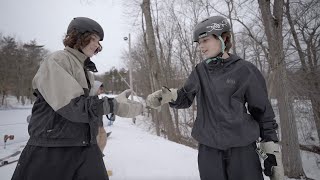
(122, 106)
(160, 97)
(273, 166)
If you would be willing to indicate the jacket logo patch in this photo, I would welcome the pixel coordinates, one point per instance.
(231, 81)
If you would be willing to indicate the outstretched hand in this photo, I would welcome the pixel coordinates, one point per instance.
(160, 97)
(125, 107)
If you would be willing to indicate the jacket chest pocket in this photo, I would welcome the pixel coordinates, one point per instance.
(225, 86)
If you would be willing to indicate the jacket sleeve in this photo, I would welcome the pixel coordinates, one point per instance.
(187, 93)
(260, 107)
(55, 82)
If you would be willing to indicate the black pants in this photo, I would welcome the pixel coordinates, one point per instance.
(239, 163)
(60, 163)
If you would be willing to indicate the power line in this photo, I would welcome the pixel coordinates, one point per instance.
(12, 124)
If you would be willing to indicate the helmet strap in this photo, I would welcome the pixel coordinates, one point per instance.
(223, 45)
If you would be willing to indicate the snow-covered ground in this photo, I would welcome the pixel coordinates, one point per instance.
(131, 152)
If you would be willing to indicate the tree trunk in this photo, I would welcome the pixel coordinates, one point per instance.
(315, 102)
(168, 123)
(273, 28)
(312, 84)
(193, 111)
(289, 141)
(230, 10)
(156, 75)
(295, 37)
(3, 97)
(176, 120)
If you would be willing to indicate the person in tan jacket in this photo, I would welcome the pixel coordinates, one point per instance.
(64, 121)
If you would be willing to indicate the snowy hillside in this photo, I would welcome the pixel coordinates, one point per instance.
(132, 152)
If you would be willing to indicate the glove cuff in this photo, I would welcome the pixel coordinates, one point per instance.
(110, 105)
(270, 147)
(115, 106)
(174, 93)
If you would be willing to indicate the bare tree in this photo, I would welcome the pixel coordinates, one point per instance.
(157, 79)
(8, 55)
(273, 23)
(19, 65)
(305, 19)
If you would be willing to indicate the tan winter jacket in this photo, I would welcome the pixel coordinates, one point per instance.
(64, 114)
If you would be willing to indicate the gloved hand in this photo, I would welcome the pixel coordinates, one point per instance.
(160, 97)
(122, 106)
(273, 166)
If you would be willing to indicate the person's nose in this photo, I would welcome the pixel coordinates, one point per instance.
(97, 44)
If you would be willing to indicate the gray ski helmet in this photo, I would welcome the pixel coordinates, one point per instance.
(84, 24)
(213, 25)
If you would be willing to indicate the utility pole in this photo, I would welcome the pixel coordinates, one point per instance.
(130, 70)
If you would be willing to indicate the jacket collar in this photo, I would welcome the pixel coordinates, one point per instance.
(80, 56)
(84, 60)
(89, 65)
(221, 63)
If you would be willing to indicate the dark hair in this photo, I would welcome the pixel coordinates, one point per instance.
(227, 42)
(76, 40)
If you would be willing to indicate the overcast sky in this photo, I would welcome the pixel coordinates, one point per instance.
(46, 21)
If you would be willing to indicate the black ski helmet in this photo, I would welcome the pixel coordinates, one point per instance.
(213, 25)
(84, 24)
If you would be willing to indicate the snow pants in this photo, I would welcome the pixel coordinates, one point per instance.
(238, 163)
(61, 163)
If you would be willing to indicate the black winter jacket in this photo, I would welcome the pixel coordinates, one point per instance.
(233, 109)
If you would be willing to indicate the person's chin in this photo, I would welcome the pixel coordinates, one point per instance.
(90, 55)
(205, 56)
(208, 56)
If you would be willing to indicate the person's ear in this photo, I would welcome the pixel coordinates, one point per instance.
(224, 38)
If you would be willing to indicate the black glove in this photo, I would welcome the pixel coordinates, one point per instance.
(111, 117)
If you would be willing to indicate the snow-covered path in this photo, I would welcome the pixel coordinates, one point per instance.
(132, 153)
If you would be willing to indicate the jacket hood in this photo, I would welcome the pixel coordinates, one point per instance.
(222, 63)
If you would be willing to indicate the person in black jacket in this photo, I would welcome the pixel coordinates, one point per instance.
(65, 118)
(233, 110)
